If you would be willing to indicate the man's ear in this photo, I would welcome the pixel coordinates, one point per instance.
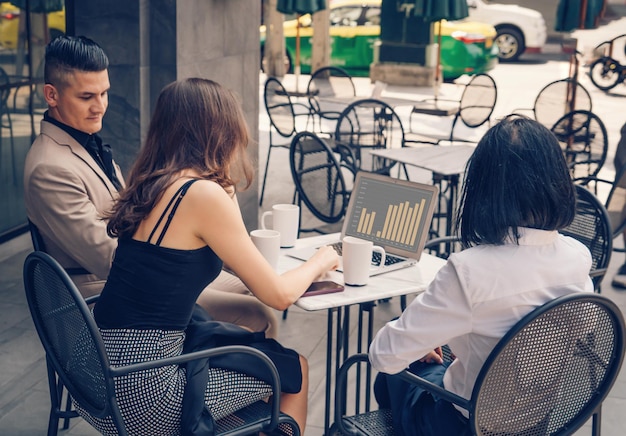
(51, 94)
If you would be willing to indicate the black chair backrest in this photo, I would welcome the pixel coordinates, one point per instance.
(551, 371)
(319, 177)
(279, 107)
(331, 82)
(370, 123)
(592, 227)
(478, 100)
(70, 336)
(616, 203)
(558, 98)
(584, 141)
(35, 236)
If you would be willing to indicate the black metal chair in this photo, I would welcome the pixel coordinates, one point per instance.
(54, 382)
(5, 119)
(282, 112)
(474, 110)
(329, 82)
(323, 184)
(369, 123)
(584, 140)
(67, 330)
(592, 227)
(547, 375)
(556, 99)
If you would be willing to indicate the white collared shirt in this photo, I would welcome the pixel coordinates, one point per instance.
(476, 297)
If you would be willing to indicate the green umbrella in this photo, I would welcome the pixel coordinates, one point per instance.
(299, 7)
(437, 10)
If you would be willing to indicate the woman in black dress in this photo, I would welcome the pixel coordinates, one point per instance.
(178, 222)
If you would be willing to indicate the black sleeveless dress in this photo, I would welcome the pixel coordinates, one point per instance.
(144, 313)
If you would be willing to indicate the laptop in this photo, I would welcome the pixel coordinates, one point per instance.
(392, 213)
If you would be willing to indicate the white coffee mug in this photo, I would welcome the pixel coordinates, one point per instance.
(357, 260)
(268, 243)
(285, 219)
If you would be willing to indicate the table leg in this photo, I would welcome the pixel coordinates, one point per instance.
(452, 202)
(329, 360)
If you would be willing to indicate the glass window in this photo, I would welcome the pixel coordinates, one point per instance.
(23, 38)
(372, 17)
(346, 16)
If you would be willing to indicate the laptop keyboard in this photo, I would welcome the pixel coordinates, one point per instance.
(390, 259)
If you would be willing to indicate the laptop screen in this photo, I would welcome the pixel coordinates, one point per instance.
(395, 214)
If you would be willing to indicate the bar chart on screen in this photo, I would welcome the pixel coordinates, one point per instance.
(389, 213)
(399, 222)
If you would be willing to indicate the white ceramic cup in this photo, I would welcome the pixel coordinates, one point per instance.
(268, 243)
(357, 260)
(285, 219)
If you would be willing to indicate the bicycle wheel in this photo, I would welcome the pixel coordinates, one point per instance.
(558, 98)
(605, 73)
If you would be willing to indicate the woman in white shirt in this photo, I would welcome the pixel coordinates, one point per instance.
(517, 194)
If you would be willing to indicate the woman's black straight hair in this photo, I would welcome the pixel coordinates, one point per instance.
(516, 177)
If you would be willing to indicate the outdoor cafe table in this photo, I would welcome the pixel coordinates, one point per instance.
(405, 281)
(423, 107)
(446, 162)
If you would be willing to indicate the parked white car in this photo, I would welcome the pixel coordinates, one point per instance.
(520, 30)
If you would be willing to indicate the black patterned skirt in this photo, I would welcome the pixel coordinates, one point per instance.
(150, 401)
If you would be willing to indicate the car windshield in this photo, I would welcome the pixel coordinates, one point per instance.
(347, 16)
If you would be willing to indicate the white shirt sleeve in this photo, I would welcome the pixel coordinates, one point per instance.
(442, 312)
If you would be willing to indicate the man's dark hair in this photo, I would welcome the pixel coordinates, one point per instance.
(66, 54)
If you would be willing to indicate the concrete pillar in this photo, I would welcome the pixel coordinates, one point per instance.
(151, 43)
(320, 55)
(274, 50)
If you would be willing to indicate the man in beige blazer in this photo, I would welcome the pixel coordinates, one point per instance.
(71, 180)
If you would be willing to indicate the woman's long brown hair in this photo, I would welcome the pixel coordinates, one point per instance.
(197, 124)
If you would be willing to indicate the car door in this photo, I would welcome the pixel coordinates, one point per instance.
(353, 30)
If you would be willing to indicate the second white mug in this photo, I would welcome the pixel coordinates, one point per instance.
(268, 243)
(285, 219)
(357, 260)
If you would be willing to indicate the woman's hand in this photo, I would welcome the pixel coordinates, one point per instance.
(435, 356)
(327, 258)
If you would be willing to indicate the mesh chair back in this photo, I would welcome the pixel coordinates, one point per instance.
(616, 203)
(592, 227)
(279, 107)
(370, 123)
(478, 100)
(558, 98)
(552, 370)
(584, 141)
(331, 82)
(69, 334)
(318, 177)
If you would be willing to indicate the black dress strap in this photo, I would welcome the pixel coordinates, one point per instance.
(177, 197)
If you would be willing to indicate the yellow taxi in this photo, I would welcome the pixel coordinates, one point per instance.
(10, 20)
(466, 47)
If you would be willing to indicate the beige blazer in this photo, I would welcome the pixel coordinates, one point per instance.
(66, 192)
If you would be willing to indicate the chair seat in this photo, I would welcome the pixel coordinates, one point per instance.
(250, 416)
(377, 422)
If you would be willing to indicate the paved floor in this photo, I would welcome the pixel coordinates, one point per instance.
(23, 383)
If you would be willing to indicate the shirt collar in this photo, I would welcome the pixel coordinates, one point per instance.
(529, 236)
(81, 137)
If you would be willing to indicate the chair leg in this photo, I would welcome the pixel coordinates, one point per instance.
(68, 409)
(596, 423)
(55, 401)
